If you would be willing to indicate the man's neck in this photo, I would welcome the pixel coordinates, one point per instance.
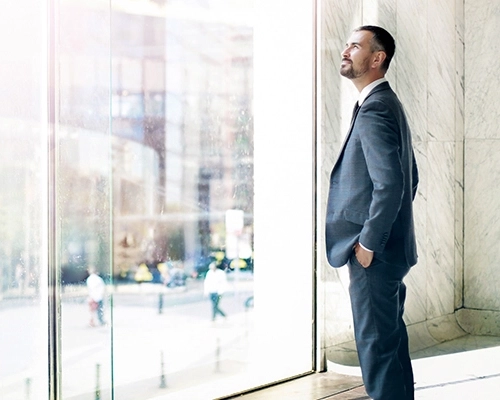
(368, 89)
(361, 82)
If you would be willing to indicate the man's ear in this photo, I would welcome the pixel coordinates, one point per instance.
(379, 59)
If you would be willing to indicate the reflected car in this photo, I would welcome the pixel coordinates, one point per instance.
(222, 262)
(202, 265)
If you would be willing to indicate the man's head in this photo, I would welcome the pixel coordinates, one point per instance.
(368, 54)
(381, 41)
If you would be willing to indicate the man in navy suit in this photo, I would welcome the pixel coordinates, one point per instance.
(369, 222)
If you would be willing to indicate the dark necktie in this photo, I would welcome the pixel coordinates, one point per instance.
(354, 111)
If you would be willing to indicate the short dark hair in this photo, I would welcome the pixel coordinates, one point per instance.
(381, 41)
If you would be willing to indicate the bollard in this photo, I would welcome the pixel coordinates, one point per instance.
(163, 381)
(217, 356)
(97, 378)
(28, 388)
(160, 303)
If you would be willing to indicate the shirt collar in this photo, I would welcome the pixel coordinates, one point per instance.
(368, 88)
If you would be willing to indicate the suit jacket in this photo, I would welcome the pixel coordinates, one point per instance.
(373, 184)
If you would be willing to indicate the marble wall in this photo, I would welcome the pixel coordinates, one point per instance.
(446, 76)
(482, 168)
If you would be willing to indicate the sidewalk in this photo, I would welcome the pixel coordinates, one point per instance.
(152, 353)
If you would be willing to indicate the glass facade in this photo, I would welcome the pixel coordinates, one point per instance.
(127, 169)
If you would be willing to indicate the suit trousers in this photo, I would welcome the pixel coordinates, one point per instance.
(377, 300)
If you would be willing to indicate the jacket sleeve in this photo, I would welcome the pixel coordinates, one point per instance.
(381, 141)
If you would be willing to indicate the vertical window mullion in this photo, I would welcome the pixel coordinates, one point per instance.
(53, 272)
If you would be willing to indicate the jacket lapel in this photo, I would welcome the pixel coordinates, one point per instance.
(342, 147)
(382, 86)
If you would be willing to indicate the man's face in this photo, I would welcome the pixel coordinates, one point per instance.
(357, 55)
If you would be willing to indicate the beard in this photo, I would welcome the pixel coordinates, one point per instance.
(349, 71)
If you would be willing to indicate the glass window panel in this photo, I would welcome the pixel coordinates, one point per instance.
(83, 198)
(23, 201)
(153, 159)
(284, 189)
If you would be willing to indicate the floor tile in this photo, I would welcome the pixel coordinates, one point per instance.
(462, 369)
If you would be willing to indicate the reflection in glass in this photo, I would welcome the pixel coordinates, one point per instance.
(83, 198)
(23, 255)
(183, 158)
(154, 183)
(156, 151)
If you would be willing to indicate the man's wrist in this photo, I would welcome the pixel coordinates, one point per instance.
(371, 251)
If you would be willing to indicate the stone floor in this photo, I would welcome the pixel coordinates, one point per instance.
(463, 369)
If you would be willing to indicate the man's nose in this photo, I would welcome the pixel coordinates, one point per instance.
(345, 53)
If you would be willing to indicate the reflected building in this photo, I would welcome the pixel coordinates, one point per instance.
(181, 134)
(22, 181)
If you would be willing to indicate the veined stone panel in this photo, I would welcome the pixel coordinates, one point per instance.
(482, 157)
(416, 280)
(440, 233)
(482, 47)
(412, 57)
(459, 162)
(482, 225)
(441, 54)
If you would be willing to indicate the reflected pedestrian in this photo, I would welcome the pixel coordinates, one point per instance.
(214, 286)
(20, 277)
(96, 291)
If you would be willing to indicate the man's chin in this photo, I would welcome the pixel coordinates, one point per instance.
(346, 72)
